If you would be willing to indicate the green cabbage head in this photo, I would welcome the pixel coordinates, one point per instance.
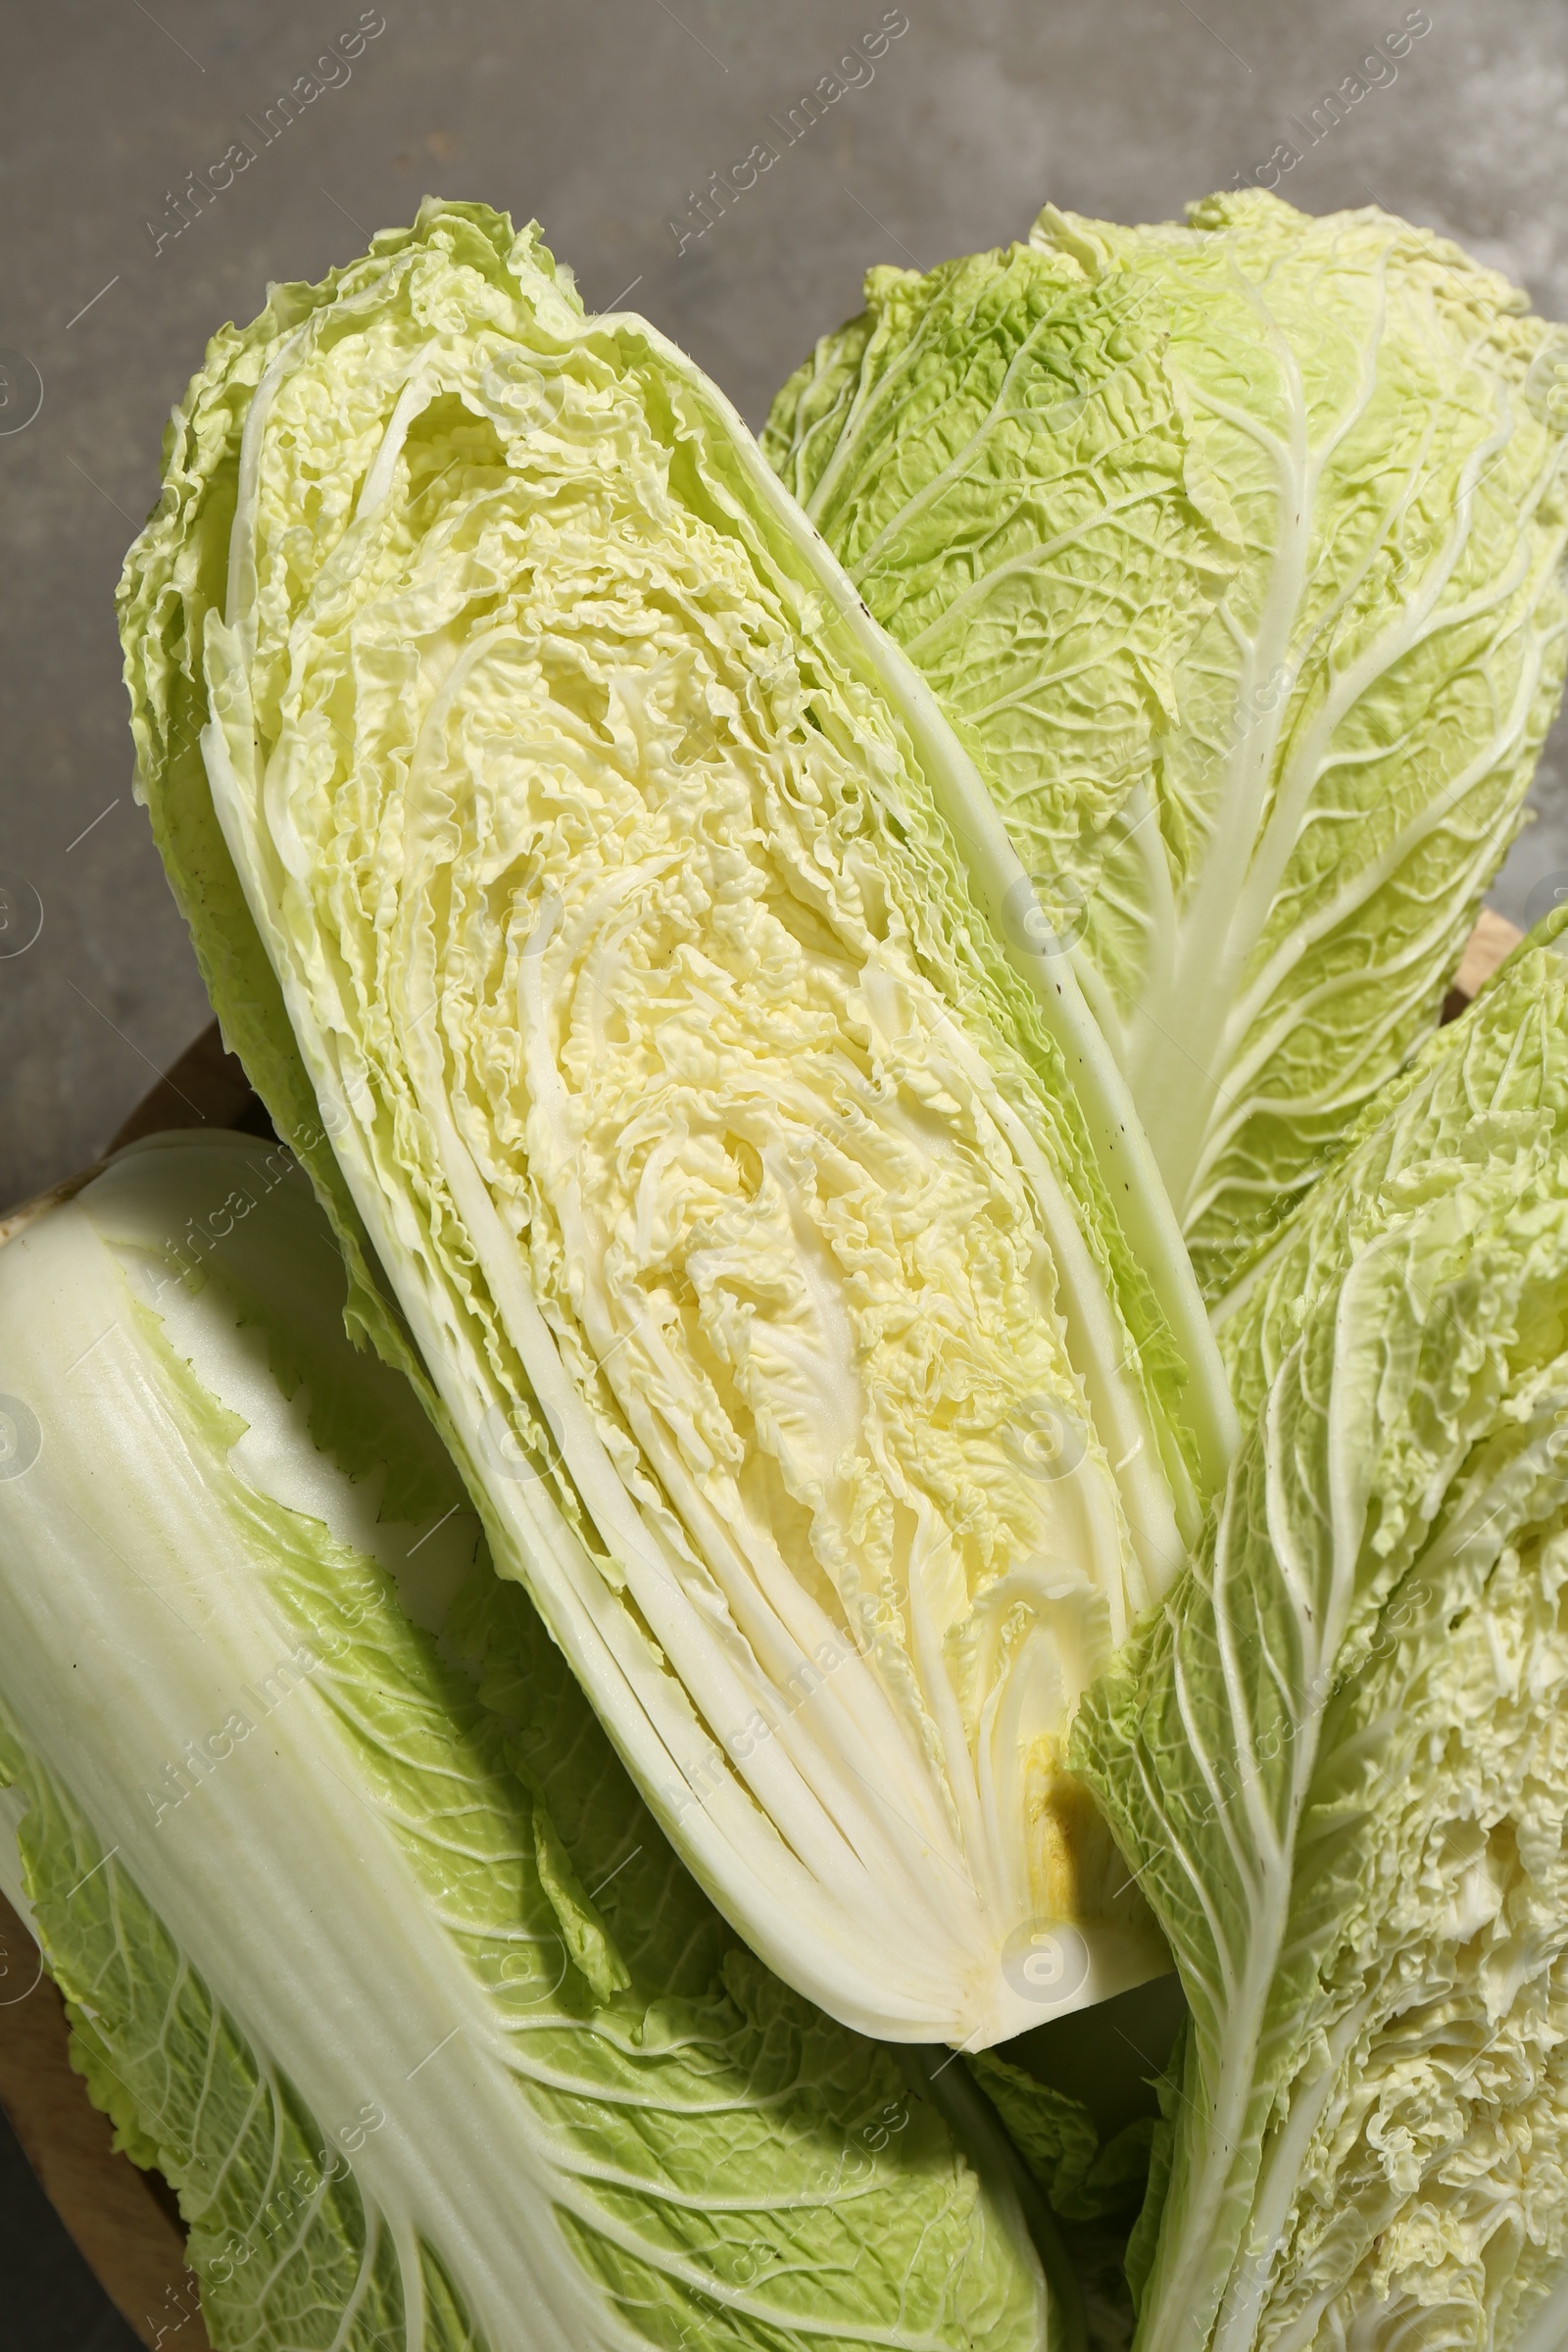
(1337, 1755)
(1234, 551)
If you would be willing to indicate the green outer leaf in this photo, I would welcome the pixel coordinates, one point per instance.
(1275, 1735)
(325, 1927)
(1143, 2242)
(171, 613)
(1491, 1087)
(1235, 554)
(1081, 2181)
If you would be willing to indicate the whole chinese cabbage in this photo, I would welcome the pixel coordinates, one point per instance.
(1235, 553)
(394, 1980)
(1337, 1756)
(791, 1277)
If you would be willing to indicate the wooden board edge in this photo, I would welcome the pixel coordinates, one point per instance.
(122, 2219)
(1488, 945)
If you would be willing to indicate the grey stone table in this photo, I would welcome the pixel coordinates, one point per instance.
(605, 117)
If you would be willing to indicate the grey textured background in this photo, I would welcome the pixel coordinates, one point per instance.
(599, 115)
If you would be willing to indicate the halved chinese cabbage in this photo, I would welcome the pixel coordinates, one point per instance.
(1337, 1757)
(1235, 553)
(441, 2048)
(793, 1281)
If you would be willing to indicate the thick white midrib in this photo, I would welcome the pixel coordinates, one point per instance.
(1414, 959)
(1306, 767)
(1175, 1103)
(1157, 914)
(1279, 2175)
(1249, 2290)
(1238, 883)
(1262, 1869)
(1178, 2284)
(1419, 619)
(1365, 881)
(1100, 1005)
(1185, 2292)
(105, 1715)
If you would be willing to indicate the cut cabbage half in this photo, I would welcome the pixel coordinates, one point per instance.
(791, 1279)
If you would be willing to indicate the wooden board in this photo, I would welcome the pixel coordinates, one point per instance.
(1489, 943)
(126, 2221)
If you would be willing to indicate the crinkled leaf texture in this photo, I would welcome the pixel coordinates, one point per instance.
(406, 1993)
(1235, 553)
(1337, 1755)
(1054, 2134)
(794, 1284)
